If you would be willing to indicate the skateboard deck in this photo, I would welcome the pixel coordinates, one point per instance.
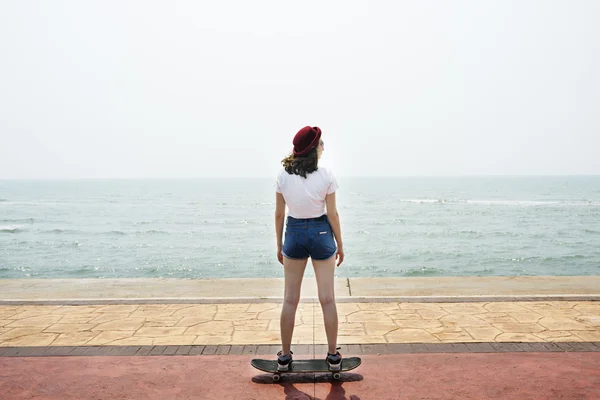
(299, 366)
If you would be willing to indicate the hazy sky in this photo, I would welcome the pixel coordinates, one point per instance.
(106, 89)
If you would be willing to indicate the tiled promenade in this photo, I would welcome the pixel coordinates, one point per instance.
(258, 323)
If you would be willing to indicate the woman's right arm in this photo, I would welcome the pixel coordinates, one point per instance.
(334, 220)
(279, 222)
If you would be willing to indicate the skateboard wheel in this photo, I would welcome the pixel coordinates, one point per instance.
(336, 375)
(276, 377)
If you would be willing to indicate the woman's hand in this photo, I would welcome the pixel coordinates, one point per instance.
(280, 254)
(340, 255)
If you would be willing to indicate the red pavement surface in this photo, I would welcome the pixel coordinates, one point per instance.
(505, 376)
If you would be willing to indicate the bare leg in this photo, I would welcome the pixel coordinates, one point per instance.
(324, 272)
(294, 272)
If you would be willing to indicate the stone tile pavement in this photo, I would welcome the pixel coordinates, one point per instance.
(258, 324)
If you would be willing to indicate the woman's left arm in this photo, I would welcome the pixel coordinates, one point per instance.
(279, 219)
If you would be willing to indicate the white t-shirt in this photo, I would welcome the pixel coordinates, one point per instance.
(305, 197)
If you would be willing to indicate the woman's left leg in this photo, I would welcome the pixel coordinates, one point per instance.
(294, 272)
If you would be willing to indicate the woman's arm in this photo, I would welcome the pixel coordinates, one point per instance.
(279, 218)
(334, 220)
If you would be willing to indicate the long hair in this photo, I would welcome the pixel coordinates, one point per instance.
(301, 165)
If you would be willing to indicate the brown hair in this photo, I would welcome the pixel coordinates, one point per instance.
(302, 166)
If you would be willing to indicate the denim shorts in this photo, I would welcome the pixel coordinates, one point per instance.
(311, 237)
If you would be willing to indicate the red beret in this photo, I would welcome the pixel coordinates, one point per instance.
(306, 139)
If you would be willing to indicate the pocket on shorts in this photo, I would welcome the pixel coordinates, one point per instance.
(290, 244)
(326, 243)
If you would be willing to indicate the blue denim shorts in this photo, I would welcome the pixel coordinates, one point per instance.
(311, 237)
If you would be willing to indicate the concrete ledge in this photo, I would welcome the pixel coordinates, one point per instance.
(432, 289)
(258, 300)
(95, 289)
(476, 286)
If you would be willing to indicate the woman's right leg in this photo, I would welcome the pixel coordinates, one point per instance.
(294, 272)
(325, 272)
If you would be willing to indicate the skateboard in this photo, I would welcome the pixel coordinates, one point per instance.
(298, 366)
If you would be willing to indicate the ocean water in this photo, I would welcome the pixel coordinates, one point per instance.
(203, 228)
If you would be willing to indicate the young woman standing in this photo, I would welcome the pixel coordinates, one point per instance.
(308, 190)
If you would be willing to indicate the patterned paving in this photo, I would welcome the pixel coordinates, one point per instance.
(258, 324)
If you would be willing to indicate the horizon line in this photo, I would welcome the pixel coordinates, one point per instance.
(269, 177)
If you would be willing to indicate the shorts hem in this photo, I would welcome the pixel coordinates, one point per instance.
(294, 258)
(326, 258)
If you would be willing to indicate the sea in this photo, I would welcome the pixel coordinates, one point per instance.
(224, 228)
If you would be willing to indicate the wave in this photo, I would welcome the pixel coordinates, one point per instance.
(485, 271)
(148, 232)
(423, 201)
(513, 202)
(75, 244)
(423, 271)
(136, 223)
(60, 231)
(152, 232)
(3, 200)
(10, 228)
(535, 259)
(19, 220)
(504, 233)
(63, 231)
(564, 203)
(84, 269)
(110, 233)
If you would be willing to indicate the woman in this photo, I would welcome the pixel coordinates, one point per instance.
(307, 189)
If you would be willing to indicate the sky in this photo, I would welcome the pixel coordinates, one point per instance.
(186, 89)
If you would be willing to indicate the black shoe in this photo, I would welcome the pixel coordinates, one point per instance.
(334, 361)
(284, 362)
